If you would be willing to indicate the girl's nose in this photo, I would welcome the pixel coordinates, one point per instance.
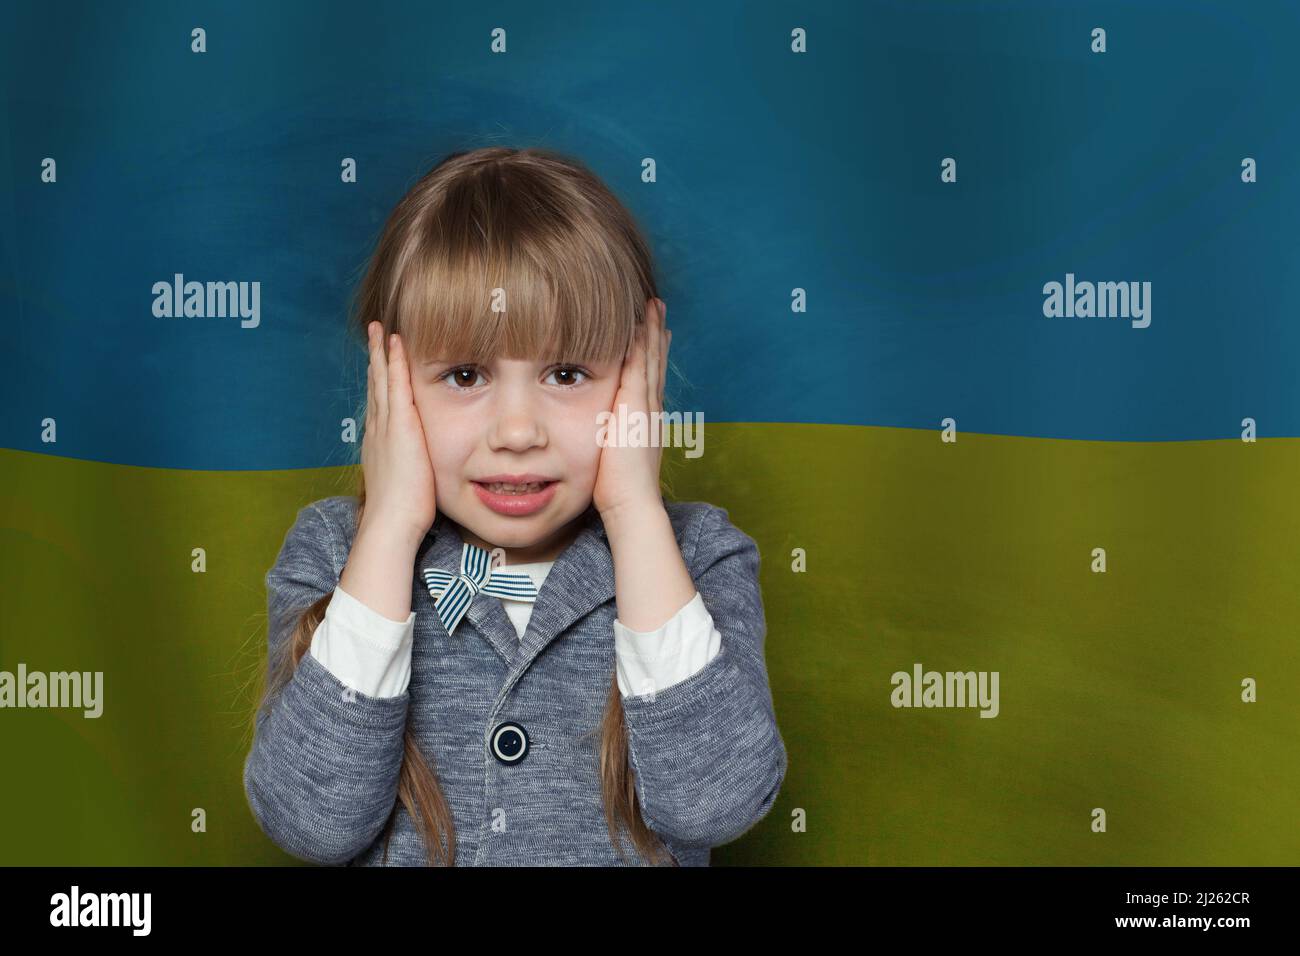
(516, 425)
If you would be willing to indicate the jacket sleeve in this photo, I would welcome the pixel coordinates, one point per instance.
(706, 752)
(321, 777)
(657, 659)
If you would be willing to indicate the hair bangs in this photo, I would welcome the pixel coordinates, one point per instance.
(492, 274)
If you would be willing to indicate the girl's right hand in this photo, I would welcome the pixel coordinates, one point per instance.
(394, 455)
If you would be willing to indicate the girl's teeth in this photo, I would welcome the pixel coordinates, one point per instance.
(500, 488)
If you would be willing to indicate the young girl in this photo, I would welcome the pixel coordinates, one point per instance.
(605, 683)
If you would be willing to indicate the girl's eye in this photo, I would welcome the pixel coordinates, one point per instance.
(569, 371)
(462, 373)
(463, 378)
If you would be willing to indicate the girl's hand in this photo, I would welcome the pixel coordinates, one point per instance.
(394, 455)
(628, 478)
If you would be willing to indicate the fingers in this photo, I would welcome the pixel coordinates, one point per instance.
(371, 409)
(633, 377)
(646, 362)
(654, 344)
(381, 379)
(666, 337)
(377, 379)
(399, 375)
(658, 338)
(663, 371)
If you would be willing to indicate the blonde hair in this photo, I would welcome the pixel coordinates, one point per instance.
(577, 273)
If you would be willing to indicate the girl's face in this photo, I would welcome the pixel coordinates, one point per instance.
(514, 417)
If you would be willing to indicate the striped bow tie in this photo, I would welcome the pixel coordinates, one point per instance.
(452, 593)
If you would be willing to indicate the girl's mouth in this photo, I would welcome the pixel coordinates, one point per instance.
(515, 500)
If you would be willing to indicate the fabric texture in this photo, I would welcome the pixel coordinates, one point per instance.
(708, 759)
(372, 653)
(362, 648)
(655, 660)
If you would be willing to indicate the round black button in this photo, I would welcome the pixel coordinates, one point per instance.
(509, 742)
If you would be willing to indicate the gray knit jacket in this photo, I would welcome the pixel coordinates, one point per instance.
(708, 759)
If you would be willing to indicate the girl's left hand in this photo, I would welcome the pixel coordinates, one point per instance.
(628, 477)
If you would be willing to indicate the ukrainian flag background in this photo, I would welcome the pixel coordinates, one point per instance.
(776, 171)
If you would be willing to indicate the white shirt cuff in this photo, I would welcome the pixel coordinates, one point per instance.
(363, 649)
(652, 661)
